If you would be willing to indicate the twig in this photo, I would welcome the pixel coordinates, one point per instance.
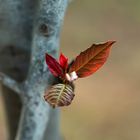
(10, 83)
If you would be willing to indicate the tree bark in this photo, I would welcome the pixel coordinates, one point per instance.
(28, 29)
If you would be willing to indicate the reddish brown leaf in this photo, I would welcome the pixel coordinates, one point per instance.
(63, 61)
(54, 66)
(90, 60)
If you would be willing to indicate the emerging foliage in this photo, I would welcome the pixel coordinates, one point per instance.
(90, 60)
(60, 95)
(85, 64)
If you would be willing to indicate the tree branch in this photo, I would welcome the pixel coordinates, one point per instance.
(36, 113)
(11, 83)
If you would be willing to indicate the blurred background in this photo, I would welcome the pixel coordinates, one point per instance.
(107, 104)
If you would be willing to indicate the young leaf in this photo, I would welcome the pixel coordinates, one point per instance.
(54, 66)
(63, 61)
(60, 95)
(90, 60)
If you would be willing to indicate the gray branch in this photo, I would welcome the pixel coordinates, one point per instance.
(36, 113)
(11, 83)
(42, 26)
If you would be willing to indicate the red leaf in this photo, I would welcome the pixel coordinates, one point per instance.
(90, 60)
(54, 66)
(63, 61)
